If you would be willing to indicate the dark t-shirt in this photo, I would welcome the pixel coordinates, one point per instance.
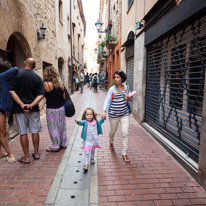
(27, 85)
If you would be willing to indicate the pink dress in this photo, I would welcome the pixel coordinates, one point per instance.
(91, 142)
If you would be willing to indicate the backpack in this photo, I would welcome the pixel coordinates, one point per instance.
(95, 79)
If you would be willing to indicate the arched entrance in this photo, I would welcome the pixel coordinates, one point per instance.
(61, 69)
(19, 50)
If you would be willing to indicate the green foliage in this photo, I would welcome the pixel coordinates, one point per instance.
(105, 30)
(108, 38)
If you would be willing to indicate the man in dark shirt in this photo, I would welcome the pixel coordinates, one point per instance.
(27, 90)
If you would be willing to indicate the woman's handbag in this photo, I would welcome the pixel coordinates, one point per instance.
(69, 106)
(128, 106)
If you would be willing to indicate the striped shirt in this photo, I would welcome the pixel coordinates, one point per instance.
(118, 107)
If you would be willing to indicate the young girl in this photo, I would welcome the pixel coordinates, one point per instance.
(91, 129)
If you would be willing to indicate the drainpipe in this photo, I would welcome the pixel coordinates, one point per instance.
(71, 69)
(108, 11)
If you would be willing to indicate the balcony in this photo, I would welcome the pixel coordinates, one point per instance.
(105, 52)
(110, 39)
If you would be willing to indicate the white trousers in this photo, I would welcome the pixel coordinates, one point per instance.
(86, 156)
(125, 131)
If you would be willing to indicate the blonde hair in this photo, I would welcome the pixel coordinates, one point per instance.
(52, 75)
(93, 112)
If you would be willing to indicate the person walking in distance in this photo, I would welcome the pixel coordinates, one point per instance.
(91, 129)
(82, 80)
(95, 81)
(27, 90)
(6, 72)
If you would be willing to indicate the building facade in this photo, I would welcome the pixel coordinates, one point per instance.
(164, 55)
(78, 32)
(18, 35)
(109, 49)
(90, 57)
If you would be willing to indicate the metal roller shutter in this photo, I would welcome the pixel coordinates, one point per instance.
(130, 72)
(175, 85)
(130, 76)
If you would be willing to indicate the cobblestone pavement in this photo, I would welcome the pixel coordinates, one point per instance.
(29, 185)
(152, 178)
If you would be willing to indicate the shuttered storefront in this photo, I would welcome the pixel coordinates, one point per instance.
(130, 75)
(175, 85)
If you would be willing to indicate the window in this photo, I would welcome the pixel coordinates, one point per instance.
(61, 12)
(45, 64)
(130, 3)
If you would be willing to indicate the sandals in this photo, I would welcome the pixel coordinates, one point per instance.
(85, 167)
(35, 157)
(52, 150)
(11, 160)
(3, 155)
(125, 158)
(21, 161)
(92, 161)
(111, 146)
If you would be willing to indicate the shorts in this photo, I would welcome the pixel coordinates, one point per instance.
(87, 81)
(95, 85)
(31, 120)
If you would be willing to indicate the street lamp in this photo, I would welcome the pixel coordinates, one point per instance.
(43, 32)
(98, 25)
(95, 50)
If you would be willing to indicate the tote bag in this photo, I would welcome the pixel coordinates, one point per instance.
(69, 106)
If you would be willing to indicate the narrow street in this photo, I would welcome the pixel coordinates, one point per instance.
(152, 178)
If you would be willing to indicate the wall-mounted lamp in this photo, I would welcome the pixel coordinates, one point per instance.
(98, 25)
(139, 25)
(43, 32)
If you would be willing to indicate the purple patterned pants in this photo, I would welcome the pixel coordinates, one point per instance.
(56, 123)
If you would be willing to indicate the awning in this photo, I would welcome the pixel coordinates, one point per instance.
(127, 42)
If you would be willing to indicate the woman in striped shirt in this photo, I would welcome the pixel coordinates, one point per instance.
(118, 110)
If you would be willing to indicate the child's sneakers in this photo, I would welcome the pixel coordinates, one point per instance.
(92, 161)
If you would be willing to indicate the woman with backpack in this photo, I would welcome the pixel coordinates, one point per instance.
(95, 81)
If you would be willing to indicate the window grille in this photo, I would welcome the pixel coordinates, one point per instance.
(175, 80)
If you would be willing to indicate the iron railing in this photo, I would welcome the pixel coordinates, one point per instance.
(175, 85)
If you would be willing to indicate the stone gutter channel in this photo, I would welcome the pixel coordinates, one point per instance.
(71, 185)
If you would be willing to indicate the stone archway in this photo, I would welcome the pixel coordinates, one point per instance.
(61, 68)
(19, 49)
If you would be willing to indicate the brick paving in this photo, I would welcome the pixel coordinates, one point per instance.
(27, 185)
(152, 177)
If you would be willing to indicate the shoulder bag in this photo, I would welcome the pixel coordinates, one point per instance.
(69, 106)
(128, 106)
